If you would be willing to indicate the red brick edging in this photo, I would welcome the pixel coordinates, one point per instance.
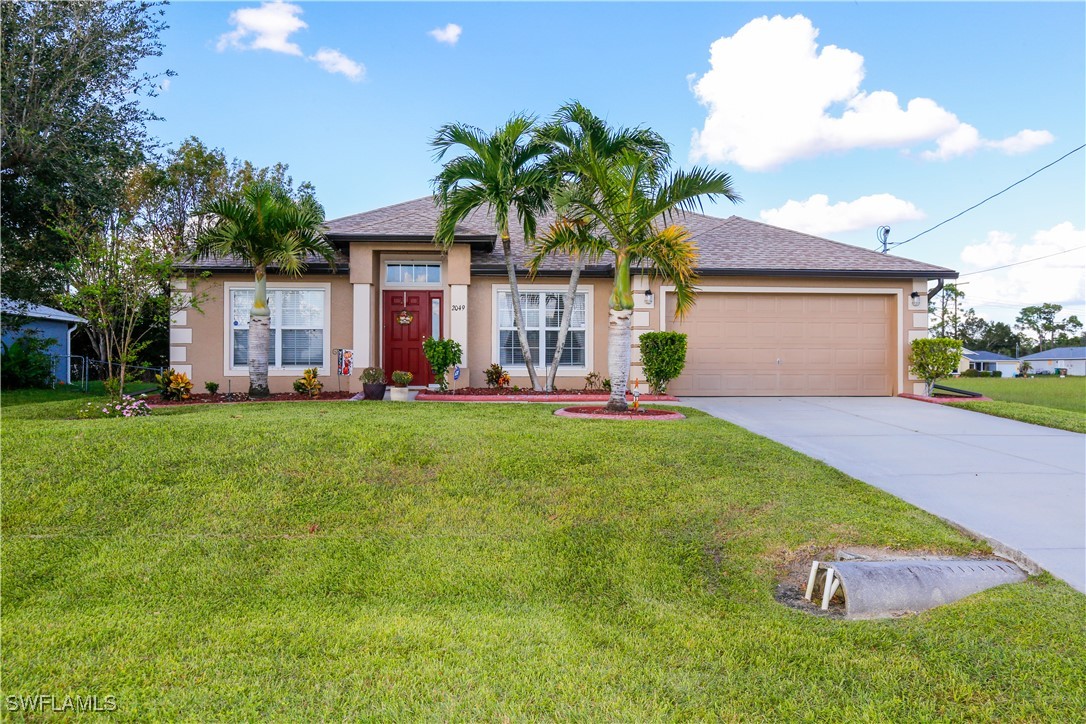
(434, 397)
(942, 400)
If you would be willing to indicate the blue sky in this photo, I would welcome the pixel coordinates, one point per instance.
(832, 118)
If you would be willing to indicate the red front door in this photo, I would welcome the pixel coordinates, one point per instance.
(410, 316)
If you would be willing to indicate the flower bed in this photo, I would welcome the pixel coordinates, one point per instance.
(508, 394)
(602, 413)
(206, 399)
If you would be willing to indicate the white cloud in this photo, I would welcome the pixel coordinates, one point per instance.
(770, 94)
(1023, 142)
(334, 61)
(267, 27)
(164, 85)
(817, 216)
(1056, 279)
(449, 34)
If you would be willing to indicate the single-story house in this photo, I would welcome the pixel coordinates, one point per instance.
(988, 362)
(51, 324)
(1072, 359)
(778, 312)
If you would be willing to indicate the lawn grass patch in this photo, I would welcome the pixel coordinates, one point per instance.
(1034, 414)
(424, 560)
(1057, 402)
(1059, 393)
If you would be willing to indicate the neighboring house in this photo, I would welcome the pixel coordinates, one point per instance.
(1072, 359)
(988, 362)
(778, 313)
(52, 324)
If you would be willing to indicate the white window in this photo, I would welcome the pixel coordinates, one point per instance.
(297, 336)
(413, 273)
(542, 317)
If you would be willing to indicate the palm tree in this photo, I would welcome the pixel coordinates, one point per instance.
(578, 138)
(625, 208)
(505, 172)
(265, 227)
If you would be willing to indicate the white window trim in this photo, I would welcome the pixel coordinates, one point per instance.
(440, 284)
(229, 370)
(495, 351)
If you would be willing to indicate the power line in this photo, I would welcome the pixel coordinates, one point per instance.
(1027, 261)
(962, 213)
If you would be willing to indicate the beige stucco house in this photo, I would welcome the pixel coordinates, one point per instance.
(778, 313)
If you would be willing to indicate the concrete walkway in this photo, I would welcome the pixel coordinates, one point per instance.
(1021, 487)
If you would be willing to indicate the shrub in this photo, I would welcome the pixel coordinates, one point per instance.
(997, 373)
(211, 387)
(401, 378)
(934, 358)
(127, 406)
(593, 381)
(308, 384)
(496, 376)
(970, 373)
(173, 385)
(26, 362)
(442, 354)
(372, 376)
(1024, 368)
(663, 355)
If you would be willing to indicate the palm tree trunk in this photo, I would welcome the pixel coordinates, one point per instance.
(618, 356)
(518, 318)
(619, 323)
(563, 327)
(259, 324)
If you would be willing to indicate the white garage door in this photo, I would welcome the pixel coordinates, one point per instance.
(754, 344)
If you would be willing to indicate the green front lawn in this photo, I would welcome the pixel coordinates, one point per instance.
(1049, 401)
(1066, 393)
(404, 561)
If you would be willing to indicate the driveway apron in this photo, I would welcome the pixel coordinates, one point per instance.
(1019, 486)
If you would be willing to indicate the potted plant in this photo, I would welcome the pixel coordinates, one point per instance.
(400, 381)
(373, 383)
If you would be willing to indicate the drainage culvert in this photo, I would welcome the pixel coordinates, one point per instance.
(881, 589)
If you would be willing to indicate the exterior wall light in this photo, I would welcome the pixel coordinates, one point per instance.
(916, 298)
(648, 298)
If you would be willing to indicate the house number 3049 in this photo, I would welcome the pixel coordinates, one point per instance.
(459, 307)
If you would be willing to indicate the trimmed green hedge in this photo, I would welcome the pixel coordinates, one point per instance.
(663, 355)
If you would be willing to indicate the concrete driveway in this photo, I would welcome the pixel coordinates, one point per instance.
(1021, 487)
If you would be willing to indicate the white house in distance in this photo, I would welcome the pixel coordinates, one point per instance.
(988, 362)
(1072, 359)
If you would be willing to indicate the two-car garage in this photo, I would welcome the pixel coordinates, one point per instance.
(801, 342)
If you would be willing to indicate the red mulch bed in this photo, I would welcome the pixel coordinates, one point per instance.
(602, 413)
(206, 399)
(508, 394)
(942, 400)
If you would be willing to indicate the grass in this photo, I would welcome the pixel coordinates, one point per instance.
(1048, 401)
(1035, 414)
(437, 561)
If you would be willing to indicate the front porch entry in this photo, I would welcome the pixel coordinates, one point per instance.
(408, 317)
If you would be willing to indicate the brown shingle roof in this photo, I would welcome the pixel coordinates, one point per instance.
(727, 246)
(411, 219)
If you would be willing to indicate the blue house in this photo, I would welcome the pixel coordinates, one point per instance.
(53, 324)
